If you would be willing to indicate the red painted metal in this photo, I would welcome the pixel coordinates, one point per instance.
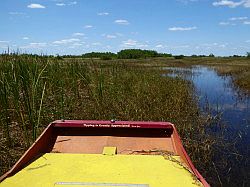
(40, 146)
(110, 124)
(191, 165)
(48, 138)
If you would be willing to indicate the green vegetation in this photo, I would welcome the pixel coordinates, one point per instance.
(239, 73)
(237, 67)
(179, 56)
(101, 55)
(136, 53)
(36, 90)
(211, 55)
(126, 54)
(123, 54)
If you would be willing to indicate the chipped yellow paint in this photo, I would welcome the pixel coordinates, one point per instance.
(59, 169)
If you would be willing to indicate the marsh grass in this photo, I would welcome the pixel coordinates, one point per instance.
(5, 114)
(38, 90)
(240, 75)
(237, 68)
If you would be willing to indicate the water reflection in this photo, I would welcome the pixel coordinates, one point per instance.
(221, 95)
(217, 91)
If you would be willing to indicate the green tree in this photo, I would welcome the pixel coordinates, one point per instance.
(179, 56)
(136, 53)
(248, 54)
(102, 55)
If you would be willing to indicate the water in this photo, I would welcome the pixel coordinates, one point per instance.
(219, 93)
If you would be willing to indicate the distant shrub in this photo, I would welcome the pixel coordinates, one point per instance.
(136, 53)
(179, 56)
(101, 55)
(164, 55)
(236, 56)
(248, 54)
(106, 57)
(58, 57)
(123, 54)
(211, 55)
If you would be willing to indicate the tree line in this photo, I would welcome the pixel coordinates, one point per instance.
(126, 54)
(142, 54)
(123, 54)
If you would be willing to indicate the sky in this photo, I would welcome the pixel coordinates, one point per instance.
(221, 27)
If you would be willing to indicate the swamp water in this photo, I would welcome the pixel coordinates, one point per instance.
(218, 95)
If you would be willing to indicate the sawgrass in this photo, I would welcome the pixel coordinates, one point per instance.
(38, 90)
(236, 67)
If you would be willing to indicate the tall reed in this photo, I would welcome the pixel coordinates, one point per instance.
(36, 90)
(4, 107)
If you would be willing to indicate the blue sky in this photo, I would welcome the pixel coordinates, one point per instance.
(221, 27)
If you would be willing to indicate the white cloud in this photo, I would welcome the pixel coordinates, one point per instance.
(38, 44)
(142, 45)
(159, 46)
(4, 41)
(17, 13)
(122, 22)
(134, 33)
(35, 6)
(182, 28)
(247, 4)
(60, 4)
(133, 43)
(223, 45)
(78, 34)
(214, 45)
(246, 22)
(77, 44)
(88, 26)
(67, 41)
(130, 42)
(111, 36)
(96, 44)
(182, 46)
(25, 38)
(187, 1)
(232, 4)
(34, 45)
(224, 23)
(72, 3)
(108, 46)
(232, 21)
(238, 18)
(103, 14)
(210, 44)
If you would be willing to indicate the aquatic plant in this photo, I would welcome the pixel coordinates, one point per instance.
(36, 90)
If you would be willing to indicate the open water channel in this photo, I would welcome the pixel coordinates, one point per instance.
(219, 95)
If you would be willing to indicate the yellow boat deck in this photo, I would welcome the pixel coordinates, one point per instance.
(91, 170)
